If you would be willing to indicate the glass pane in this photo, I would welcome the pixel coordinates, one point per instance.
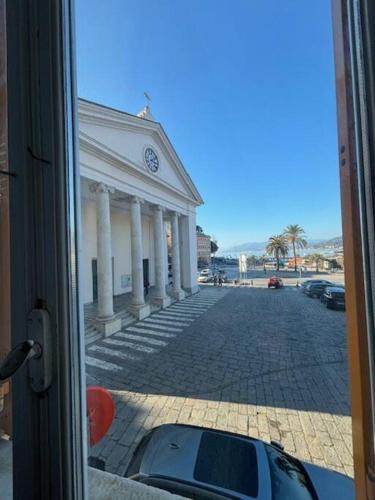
(212, 261)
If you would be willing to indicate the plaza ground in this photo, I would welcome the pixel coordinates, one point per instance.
(265, 363)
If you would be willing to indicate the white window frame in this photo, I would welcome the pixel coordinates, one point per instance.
(49, 431)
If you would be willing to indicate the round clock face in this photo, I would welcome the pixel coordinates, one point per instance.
(151, 159)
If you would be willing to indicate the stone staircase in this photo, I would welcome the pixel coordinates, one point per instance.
(121, 302)
(126, 318)
(91, 333)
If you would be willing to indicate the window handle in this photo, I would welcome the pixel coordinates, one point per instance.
(18, 356)
(36, 350)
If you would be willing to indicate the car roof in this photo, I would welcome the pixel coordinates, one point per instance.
(174, 452)
(316, 281)
(324, 283)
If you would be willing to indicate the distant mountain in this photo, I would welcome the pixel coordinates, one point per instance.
(260, 246)
(331, 243)
(247, 247)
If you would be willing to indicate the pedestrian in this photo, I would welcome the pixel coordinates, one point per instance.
(215, 280)
(146, 286)
(220, 281)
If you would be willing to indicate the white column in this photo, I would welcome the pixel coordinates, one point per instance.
(159, 253)
(137, 253)
(189, 264)
(165, 249)
(176, 267)
(103, 223)
(160, 296)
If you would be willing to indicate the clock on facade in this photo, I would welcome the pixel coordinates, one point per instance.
(151, 159)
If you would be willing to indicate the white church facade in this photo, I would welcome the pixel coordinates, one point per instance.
(134, 190)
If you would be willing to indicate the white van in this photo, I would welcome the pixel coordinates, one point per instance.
(205, 276)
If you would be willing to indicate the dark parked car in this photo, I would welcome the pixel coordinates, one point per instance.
(309, 282)
(334, 297)
(201, 463)
(316, 289)
(275, 282)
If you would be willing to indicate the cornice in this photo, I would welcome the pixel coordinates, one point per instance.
(95, 114)
(103, 153)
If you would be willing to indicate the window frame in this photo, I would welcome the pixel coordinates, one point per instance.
(49, 431)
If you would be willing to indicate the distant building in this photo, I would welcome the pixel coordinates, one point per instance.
(203, 249)
(300, 261)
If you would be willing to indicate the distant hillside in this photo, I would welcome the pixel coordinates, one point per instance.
(247, 247)
(260, 246)
(331, 243)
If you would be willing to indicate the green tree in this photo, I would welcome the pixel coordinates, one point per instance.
(214, 247)
(252, 260)
(296, 237)
(277, 246)
(316, 258)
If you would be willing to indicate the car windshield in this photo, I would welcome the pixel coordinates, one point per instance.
(288, 478)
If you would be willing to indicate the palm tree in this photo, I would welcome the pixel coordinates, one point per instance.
(316, 258)
(263, 261)
(295, 235)
(278, 247)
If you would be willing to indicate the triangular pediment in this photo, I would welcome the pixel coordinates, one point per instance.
(127, 139)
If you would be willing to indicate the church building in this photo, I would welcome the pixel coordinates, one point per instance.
(134, 192)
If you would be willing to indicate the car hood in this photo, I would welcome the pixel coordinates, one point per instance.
(330, 484)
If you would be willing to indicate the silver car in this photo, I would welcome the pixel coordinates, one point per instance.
(201, 463)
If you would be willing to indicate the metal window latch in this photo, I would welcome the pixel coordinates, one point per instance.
(36, 350)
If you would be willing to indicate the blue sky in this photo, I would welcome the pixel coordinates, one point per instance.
(244, 90)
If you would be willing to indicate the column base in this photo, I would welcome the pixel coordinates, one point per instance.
(178, 295)
(193, 290)
(162, 302)
(108, 326)
(140, 312)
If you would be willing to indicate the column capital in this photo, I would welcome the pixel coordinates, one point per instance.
(158, 208)
(136, 200)
(100, 187)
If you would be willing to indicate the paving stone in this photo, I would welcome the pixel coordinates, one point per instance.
(236, 368)
(242, 423)
(331, 456)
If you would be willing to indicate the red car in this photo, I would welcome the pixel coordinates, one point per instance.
(275, 282)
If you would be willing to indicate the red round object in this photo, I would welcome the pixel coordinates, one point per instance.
(100, 412)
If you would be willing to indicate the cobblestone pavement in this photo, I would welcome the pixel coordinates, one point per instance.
(266, 363)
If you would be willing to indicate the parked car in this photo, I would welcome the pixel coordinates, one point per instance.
(334, 297)
(316, 289)
(202, 463)
(206, 271)
(206, 276)
(275, 282)
(308, 282)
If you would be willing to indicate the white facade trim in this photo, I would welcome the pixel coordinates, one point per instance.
(112, 146)
(92, 113)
